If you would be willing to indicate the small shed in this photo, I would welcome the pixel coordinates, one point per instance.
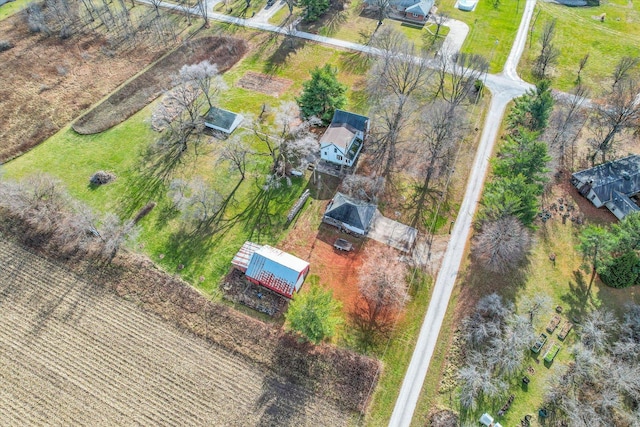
(349, 214)
(222, 120)
(272, 268)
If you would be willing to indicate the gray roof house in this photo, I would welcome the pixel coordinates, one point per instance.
(342, 141)
(611, 184)
(349, 214)
(222, 120)
(413, 10)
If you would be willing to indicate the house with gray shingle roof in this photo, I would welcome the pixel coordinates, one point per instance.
(611, 184)
(349, 214)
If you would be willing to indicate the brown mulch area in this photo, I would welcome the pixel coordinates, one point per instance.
(337, 374)
(46, 82)
(263, 83)
(138, 93)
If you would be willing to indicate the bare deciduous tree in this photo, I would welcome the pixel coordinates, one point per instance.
(535, 304)
(457, 74)
(398, 72)
(502, 244)
(114, 233)
(442, 126)
(180, 113)
(383, 288)
(199, 203)
(363, 187)
(235, 151)
(288, 140)
(581, 65)
(617, 112)
(565, 125)
(623, 69)
(548, 52)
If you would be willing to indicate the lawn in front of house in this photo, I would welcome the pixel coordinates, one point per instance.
(579, 31)
(491, 30)
(354, 25)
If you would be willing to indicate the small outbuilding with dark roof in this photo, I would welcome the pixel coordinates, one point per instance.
(349, 214)
(222, 120)
(611, 184)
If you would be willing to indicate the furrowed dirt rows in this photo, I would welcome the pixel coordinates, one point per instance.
(72, 353)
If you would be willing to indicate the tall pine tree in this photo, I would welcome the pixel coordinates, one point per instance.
(322, 94)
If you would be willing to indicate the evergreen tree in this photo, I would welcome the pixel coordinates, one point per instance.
(532, 110)
(510, 196)
(313, 9)
(523, 154)
(622, 272)
(314, 314)
(322, 94)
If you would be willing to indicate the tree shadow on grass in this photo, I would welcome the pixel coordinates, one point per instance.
(279, 58)
(355, 62)
(577, 298)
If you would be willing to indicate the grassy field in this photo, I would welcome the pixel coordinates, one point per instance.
(578, 33)
(491, 31)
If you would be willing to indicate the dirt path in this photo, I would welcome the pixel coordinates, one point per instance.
(76, 354)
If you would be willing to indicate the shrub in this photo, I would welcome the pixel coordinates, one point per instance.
(102, 177)
(623, 271)
(5, 45)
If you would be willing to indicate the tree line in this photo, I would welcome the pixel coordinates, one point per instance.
(510, 201)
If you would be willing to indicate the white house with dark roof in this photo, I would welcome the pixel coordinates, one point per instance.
(343, 139)
(222, 120)
(349, 214)
(272, 268)
(611, 184)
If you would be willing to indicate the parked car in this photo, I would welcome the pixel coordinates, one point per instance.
(343, 245)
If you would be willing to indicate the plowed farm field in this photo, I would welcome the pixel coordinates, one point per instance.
(73, 353)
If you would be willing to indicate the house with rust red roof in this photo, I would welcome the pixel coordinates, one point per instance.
(272, 268)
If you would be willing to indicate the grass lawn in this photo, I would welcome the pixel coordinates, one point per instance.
(240, 8)
(486, 25)
(10, 8)
(578, 33)
(73, 158)
(351, 25)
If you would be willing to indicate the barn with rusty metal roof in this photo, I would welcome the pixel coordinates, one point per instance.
(272, 268)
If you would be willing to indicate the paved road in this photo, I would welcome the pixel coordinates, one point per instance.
(504, 87)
